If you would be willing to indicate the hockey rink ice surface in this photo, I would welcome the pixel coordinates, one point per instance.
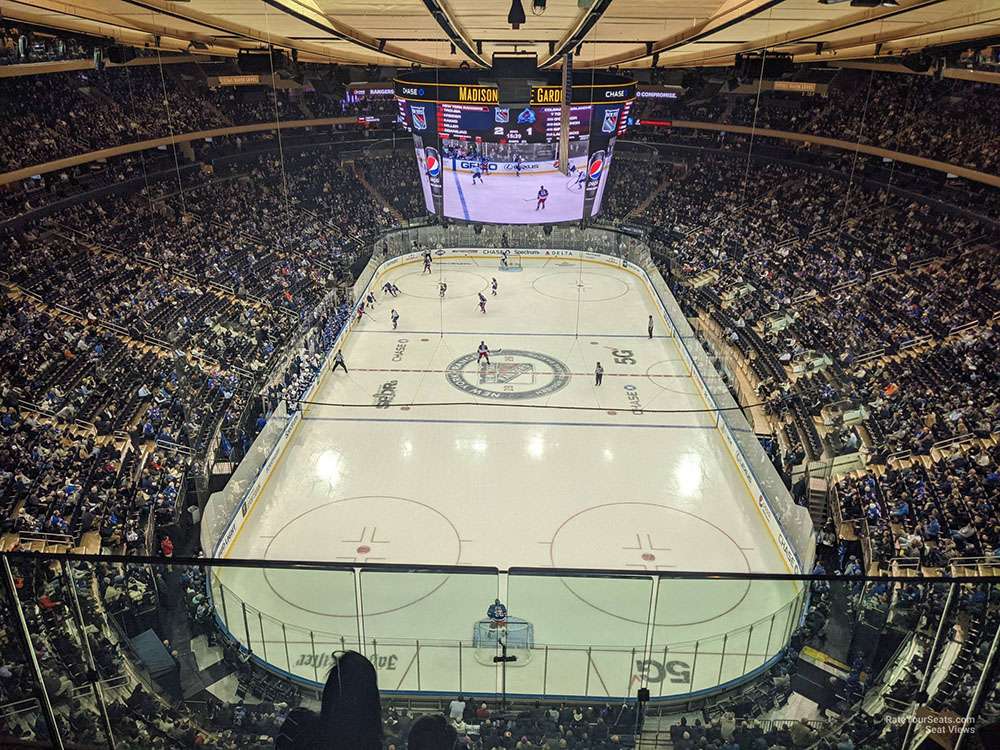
(497, 475)
(511, 198)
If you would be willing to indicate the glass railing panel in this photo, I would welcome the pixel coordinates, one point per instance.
(21, 714)
(591, 625)
(440, 610)
(293, 619)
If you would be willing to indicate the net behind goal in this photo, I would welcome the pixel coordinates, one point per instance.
(517, 634)
(510, 262)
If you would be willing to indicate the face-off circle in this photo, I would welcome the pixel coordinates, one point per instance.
(365, 529)
(461, 284)
(513, 374)
(574, 285)
(641, 536)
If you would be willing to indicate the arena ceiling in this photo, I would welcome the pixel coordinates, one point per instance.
(628, 33)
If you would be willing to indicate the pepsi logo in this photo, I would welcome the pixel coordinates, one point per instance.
(595, 168)
(433, 164)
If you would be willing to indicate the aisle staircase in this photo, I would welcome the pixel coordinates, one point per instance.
(396, 215)
(639, 209)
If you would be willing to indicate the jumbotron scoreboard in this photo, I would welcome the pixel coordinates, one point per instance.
(464, 128)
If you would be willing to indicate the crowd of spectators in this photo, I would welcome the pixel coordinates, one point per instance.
(133, 331)
(950, 120)
(893, 297)
(61, 114)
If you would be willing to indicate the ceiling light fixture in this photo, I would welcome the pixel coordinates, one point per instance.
(516, 15)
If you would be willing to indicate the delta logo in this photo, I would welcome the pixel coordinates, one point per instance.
(433, 164)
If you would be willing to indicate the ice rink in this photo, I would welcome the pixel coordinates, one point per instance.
(508, 198)
(420, 455)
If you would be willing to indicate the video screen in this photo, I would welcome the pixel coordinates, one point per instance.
(512, 183)
(494, 165)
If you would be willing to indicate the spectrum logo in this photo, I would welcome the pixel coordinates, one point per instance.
(433, 163)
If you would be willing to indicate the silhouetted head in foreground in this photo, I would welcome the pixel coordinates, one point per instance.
(431, 732)
(351, 717)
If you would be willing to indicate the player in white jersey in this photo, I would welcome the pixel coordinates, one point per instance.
(493, 286)
(442, 288)
(395, 318)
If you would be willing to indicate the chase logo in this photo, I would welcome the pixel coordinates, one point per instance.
(432, 162)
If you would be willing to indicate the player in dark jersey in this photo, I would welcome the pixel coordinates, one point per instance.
(542, 195)
(484, 353)
(517, 165)
(493, 286)
(482, 303)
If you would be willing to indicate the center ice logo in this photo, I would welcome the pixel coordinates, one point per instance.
(433, 164)
(515, 374)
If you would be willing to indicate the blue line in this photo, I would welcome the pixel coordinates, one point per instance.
(514, 422)
(461, 196)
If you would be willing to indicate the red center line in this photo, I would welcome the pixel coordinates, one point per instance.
(472, 372)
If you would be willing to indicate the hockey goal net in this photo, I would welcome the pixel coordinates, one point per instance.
(510, 262)
(489, 637)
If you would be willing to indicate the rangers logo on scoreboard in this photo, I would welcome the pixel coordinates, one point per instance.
(501, 114)
(610, 120)
(419, 118)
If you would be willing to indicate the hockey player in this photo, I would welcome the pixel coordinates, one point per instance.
(427, 261)
(387, 289)
(598, 374)
(395, 318)
(370, 299)
(482, 303)
(503, 258)
(649, 327)
(517, 165)
(361, 311)
(497, 613)
(484, 353)
(493, 286)
(484, 166)
(477, 174)
(542, 195)
(442, 288)
(395, 291)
